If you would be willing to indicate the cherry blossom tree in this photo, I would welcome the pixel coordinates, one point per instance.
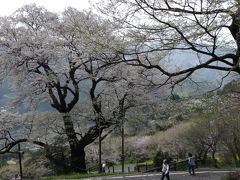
(209, 30)
(70, 60)
(47, 56)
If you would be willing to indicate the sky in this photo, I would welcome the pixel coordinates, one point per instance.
(7, 7)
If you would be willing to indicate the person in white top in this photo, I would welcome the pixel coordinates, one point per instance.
(165, 170)
(103, 167)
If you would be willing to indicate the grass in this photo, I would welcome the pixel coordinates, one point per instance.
(81, 176)
(135, 163)
(149, 162)
(76, 176)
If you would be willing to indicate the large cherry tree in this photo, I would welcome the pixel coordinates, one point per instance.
(47, 57)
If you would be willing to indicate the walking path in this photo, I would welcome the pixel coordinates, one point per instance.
(201, 175)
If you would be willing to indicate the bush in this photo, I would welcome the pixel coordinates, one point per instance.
(160, 156)
(233, 176)
(137, 149)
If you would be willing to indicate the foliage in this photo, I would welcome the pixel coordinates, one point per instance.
(175, 97)
(232, 176)
(5, 158)
(171, 141)
(55, 57)
(137, 149)
(156, 30)
(160, 156)
(76, 176)
(228, 88)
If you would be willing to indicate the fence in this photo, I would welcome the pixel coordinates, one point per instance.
(113, 169)
(175, 166)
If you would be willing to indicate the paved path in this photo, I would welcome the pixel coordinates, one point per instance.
(203, 175)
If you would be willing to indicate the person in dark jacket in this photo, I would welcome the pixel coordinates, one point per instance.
(191, 164)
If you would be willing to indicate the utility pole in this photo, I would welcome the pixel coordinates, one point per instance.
(99, 146)
(20, 161)
(123, 158)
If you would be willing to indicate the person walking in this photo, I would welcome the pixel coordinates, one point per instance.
(191, 164)
(165, 170)
(103, 167)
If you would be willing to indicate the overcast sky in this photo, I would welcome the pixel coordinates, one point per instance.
(7, 7)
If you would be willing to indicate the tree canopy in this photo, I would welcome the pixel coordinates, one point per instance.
(69, 59)
(155, 29)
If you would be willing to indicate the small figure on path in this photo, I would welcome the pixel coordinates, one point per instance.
(104, 167)
(165, 170)
(191, 164)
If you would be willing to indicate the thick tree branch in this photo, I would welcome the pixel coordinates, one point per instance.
(10, 145)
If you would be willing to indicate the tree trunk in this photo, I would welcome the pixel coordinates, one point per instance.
(77, 159)
(214, 158)
(204, 159)
(236, 145)
(236, 161)
(70, 131)
(78, 163)
(234, 154)
(59, 162)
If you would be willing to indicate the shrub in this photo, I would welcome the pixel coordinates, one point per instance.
(233, 176)
(160, 156)
(137, 149)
